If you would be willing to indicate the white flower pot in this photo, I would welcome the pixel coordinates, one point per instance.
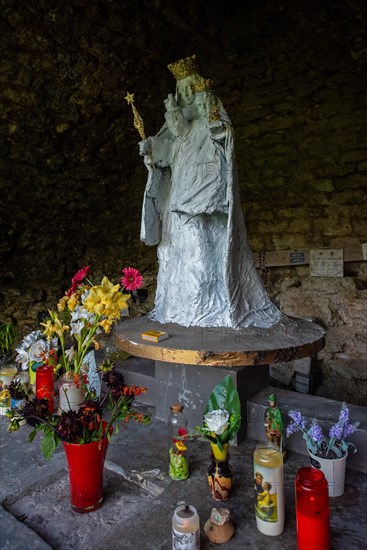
(333, 470)
(70, 394)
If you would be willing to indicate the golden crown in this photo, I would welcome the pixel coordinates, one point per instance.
(184, 67)
(205, 85)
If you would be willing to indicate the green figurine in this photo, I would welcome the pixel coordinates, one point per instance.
(273, 422)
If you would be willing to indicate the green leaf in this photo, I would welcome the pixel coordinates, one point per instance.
(48, 446)
(224, 396)
(32, 435)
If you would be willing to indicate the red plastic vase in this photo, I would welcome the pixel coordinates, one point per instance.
(86, 463)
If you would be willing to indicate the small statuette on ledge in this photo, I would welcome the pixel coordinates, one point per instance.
(273, 424)
(219, 528)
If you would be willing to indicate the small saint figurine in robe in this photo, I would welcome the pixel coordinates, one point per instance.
(273, 422)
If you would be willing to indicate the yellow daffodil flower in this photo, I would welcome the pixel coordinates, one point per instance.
(115, 306)
(94, 303)
(59, 328)
(72, 302)
(181, 446)
(62, 303)
(106, 324)
(108, 287)
(48, 329)
(54, 326)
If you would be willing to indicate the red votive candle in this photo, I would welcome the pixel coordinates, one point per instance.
(312, 510)
(45, 385)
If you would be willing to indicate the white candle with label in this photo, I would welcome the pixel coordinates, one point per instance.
(269, 489)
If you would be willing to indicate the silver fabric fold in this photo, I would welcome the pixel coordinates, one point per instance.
(207, 275)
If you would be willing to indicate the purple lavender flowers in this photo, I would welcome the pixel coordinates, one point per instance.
(336, 445)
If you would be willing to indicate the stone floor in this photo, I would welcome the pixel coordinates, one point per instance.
(140, 498)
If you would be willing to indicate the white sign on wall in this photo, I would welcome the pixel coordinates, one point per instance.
(327, 262)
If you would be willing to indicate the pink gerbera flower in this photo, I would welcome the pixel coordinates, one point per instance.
(80, 275)
(132, 280)
(77, 279)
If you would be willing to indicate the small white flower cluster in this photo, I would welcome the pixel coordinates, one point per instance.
(32, 349)
(79, 317)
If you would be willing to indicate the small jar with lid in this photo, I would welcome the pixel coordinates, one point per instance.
(185, 528)
(177, 442)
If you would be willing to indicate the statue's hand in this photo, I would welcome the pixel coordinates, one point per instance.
(216, 128)
(170, 103)
(144, 147)
(217, 131)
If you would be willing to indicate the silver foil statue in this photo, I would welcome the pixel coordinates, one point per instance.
(207, 275)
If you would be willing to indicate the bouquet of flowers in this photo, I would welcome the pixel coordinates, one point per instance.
(335, 445)
(84, 425)
(222, 417)
(85, 311)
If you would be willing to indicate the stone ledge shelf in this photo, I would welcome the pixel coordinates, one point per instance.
(289, 339)
(193, 360)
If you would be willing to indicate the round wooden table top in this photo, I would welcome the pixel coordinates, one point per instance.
(290, 338)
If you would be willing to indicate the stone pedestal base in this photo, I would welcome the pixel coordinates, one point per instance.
(192, 385)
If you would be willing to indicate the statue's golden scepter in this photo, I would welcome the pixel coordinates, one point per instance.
(138, 121)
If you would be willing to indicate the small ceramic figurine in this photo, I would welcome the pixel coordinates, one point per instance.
(273, 422)
(219, 528)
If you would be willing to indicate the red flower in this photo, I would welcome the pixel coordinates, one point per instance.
(80, 275)
(182, 432)
(132, 280)
(77, 279)
(128, 391)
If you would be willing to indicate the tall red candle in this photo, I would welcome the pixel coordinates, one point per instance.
(312, 510)
(45, 385)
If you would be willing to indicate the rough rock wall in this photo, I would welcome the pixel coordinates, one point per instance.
(292, 76)
(340, 306)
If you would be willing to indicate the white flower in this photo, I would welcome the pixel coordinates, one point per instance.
(217, 421)
(81, 313)
(30, 339)
(22, 357)
(76, 328)
(38, 349)
(69, 353)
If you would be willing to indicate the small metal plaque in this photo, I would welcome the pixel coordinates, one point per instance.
(327, 262)
(297, 258)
